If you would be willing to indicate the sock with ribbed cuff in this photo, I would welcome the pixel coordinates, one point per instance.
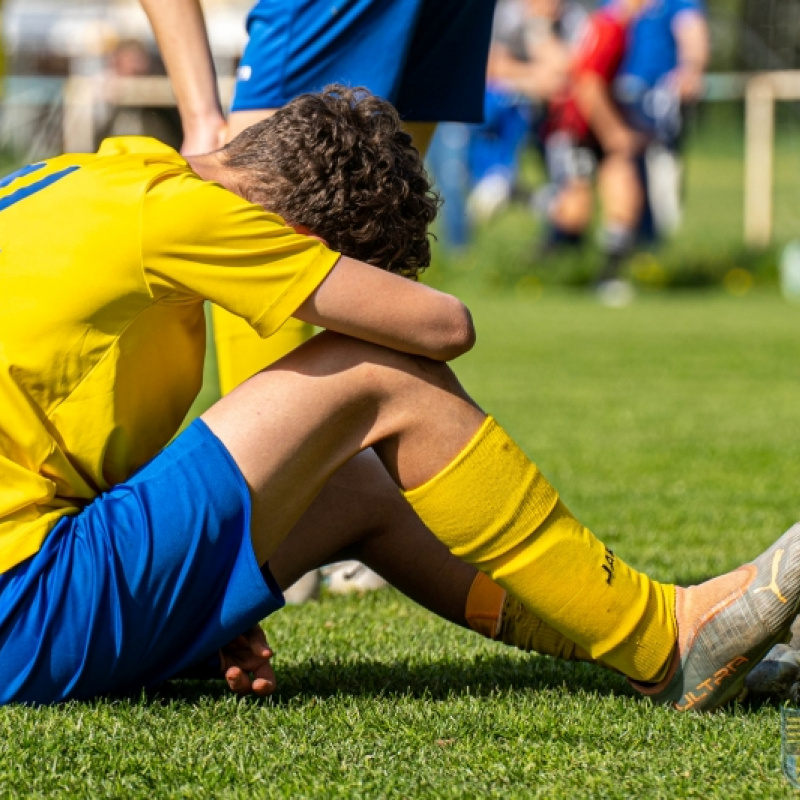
(494, 509)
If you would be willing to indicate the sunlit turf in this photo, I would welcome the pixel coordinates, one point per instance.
(670, 427)
(668, 423)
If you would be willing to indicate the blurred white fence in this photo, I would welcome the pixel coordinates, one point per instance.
(83, 95)
(761, 93)
(45, 116)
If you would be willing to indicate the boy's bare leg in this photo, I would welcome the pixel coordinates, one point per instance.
(360, 514)
(292, 426)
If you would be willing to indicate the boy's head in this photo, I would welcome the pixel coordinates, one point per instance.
(339, 164)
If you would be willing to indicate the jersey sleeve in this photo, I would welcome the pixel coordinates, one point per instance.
(601, 48)
(200, 240)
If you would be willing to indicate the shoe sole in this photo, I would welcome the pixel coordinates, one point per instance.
(774, 677)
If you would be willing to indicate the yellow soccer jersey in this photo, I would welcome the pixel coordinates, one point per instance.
(105, 261)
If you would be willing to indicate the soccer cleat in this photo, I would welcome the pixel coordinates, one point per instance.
(727, 625)
(774, 677)
(616, 293)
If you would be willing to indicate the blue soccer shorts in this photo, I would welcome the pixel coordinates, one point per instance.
(427, 57)
(153, 577)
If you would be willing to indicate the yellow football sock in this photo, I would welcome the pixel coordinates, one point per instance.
(241, 352)
(495, 614)
(493, 508)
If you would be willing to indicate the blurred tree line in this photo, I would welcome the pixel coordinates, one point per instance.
(754, 34)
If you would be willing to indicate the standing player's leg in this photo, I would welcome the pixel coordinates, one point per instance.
(621, 198)
(478, 494)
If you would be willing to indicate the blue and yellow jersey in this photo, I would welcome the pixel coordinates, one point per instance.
(105, 261)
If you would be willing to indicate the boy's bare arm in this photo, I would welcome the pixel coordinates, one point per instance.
(368, 303)
(180, 30)
(692, 39)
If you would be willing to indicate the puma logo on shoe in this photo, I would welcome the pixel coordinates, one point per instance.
(772, 586)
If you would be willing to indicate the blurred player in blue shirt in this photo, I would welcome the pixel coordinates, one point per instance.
(660, 77)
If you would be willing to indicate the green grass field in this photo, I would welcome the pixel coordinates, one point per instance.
(670, 428)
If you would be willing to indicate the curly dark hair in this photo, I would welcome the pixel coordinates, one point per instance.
(339, 163)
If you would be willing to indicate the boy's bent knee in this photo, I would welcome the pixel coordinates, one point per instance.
(377, 366)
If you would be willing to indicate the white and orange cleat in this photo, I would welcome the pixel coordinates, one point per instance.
(727, 625)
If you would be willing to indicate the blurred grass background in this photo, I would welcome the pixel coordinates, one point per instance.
(704, 252)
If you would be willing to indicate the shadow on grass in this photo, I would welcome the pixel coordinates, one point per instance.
(482, 676)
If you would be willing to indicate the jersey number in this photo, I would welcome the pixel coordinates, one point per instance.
(31, 188)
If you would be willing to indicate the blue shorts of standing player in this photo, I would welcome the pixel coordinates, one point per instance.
(428, 57)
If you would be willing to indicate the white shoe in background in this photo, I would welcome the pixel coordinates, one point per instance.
(305, 589)
(351, 576)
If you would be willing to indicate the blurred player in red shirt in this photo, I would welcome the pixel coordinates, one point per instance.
(585, 132)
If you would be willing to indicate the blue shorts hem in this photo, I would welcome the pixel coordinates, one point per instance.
(427, 57)
(152, 577)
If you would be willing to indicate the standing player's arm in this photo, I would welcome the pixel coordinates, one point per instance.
(180, 30)
(692, 40)
(504, 68)
(600, 111)
(368, 303)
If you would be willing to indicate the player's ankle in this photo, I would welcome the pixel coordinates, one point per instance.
(495, 614)
(484, 608)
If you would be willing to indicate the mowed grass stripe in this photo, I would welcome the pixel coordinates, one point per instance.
(670, 427)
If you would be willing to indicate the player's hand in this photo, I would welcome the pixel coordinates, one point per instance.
(686, 80)
(204, 136)
(246, 664)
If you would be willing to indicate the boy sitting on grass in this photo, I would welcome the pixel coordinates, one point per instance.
(126, 560)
